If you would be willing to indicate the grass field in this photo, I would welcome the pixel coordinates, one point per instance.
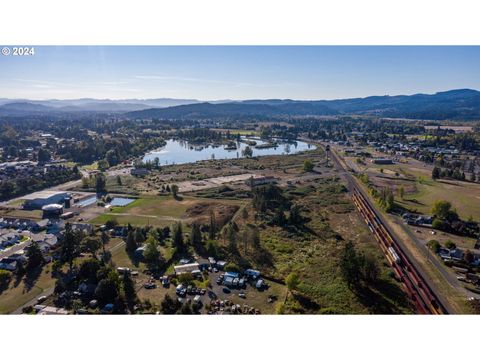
(17, 202)
(464, 196)
(25, 289)
(155, 211)
(29, 214)
(315, 256)
(92, 166)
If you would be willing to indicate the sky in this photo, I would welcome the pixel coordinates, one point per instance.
(218, 73)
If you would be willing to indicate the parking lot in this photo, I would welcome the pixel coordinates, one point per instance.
(220, 299)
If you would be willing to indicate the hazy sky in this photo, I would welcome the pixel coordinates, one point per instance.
(211, 73)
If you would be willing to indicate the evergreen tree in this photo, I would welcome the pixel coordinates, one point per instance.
(131, 244)
(105, 239)
(196, 235)
(349, 264)
(69, 245)
(152, 254)
(296, 217)
(255, 237)
(129, 291)
(177, 236)
(212, 231)
(139, 236)
(279, 217)
(34, 255)
(231, 237)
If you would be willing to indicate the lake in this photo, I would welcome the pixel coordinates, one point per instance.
(181, 152)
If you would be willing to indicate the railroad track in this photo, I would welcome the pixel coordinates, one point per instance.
(423, 297)
(420, 293)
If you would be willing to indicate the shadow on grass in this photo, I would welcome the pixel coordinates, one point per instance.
(31, 278)
(133, 258)
(384, 298)
(305, 302)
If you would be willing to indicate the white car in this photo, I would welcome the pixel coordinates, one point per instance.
(41, 299)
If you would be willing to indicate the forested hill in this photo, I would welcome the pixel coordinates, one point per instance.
(463, 104)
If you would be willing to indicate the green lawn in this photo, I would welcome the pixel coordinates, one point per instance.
(17, 202)
(132, 220)
(29, 214)
(464, 196)
(20, 292)
(92, 166)
(155, 211)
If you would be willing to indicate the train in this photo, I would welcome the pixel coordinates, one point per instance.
(421, 294)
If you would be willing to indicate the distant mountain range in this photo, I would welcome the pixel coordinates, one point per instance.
(19, 106)
(462, 104)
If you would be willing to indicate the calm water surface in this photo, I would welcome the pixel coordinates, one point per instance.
(181, 152)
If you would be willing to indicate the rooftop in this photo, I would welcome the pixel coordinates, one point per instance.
(43, 194)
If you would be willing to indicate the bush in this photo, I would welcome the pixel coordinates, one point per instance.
(434, 245)
(110, 224)
(185, 278)
(449, 244)
(280, 308)
(232, 267)
(5, 277)
(328, 311)
(438, 224)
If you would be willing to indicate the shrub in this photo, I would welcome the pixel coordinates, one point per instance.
(438, 224)
(5, 277)
(280, 308)
(449, 244)
(232, 267)
(434, 245)
(185, 278)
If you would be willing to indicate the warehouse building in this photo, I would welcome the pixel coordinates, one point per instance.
(382, 161)
(39, 199)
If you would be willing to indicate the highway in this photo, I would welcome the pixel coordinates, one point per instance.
(353, 185)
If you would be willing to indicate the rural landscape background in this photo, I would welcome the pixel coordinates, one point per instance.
(239, 180)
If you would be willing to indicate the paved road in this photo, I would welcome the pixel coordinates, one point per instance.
(47, 292)
(13, 249)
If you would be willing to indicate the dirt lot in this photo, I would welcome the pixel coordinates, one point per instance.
(191, 186)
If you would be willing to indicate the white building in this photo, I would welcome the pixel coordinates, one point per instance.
(41, 198)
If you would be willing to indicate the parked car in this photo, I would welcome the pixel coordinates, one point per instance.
(123, 270)
(41, 299)
(107, 309)
(149, 285)
(180, 290)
